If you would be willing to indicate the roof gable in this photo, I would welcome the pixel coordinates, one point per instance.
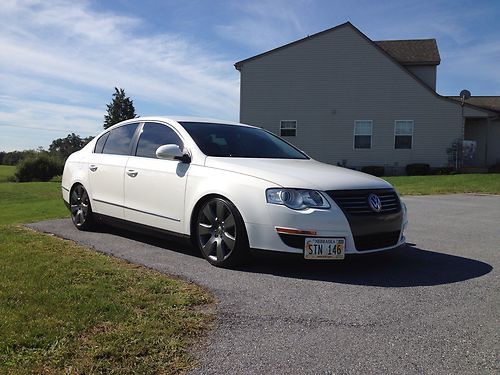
(238, 64)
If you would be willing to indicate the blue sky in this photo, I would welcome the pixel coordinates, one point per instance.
(60, 60)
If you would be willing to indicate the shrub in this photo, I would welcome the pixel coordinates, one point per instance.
(374, 170)
(418, 169)
(41, 167)
(443, 171)
(495, 168)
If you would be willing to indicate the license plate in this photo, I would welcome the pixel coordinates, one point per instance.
(324, 248)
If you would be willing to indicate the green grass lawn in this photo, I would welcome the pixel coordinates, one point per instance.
(449, 184)
(6, 172)
(68, 309)
(30, 202)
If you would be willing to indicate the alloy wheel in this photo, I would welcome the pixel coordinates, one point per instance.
(79, 206)
(216, 230)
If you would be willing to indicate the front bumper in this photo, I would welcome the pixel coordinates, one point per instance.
(375, 233)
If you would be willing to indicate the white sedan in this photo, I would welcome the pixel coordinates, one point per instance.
(229, 187)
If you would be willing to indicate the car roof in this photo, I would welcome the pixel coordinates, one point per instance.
(189, 119)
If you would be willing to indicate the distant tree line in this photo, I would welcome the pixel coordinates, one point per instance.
(42, 165)
(13, 157)
(60, 148)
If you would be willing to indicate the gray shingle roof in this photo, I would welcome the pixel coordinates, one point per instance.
(487, 102)
(412, 52)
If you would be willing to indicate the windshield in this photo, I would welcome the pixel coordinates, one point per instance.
(239, 141)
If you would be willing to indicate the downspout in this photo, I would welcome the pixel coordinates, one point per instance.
(486, 143)
(460, 147)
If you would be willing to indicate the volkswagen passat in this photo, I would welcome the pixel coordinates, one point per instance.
(229, 187)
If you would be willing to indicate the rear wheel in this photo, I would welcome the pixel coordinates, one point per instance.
(220, 233)
(81, 211)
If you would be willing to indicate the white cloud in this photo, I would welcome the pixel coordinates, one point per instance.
(63, 51)
(43, 115)
(27, 124)
(266, 24)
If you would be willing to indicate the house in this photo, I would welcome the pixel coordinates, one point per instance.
(345, 99)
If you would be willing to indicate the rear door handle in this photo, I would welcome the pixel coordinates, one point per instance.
(132, 173)
(93, 167)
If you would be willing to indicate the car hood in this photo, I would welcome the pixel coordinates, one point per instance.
(296, 173)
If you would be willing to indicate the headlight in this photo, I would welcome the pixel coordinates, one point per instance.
(297, 199)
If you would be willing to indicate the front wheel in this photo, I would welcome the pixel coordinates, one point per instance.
(81, 211)
(220, 233)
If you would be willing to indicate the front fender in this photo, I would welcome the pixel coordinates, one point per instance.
(247, 193)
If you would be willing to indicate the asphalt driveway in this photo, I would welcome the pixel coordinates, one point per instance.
(431, 307)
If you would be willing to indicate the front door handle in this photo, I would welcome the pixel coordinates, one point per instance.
(93, 167)
(132, 173)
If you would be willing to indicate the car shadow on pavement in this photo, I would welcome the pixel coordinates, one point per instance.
(406, 266)
(167, 242)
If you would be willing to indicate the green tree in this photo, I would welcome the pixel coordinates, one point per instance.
(14, 157)
(121, 108)
(63, 147)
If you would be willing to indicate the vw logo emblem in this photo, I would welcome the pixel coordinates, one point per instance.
(374, 202)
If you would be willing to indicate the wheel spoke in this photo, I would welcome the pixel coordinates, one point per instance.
(85, 209)
(228, 240)
(204, 229)
(85, 196)
(74, 208)
(74, 196)
(79, 216)
(207, 248)
(209, 214)
(229, 222)
(219, 210)
(220, 251)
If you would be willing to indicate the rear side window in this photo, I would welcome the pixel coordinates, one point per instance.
(153, 136)
(99, 145)
(119, 140)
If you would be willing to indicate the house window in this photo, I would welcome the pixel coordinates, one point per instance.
(403, 134)
(288, 128)
(363, 133)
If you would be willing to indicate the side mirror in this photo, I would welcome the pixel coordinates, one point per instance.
(173, 152)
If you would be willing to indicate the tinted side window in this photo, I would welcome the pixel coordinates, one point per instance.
(99, 145)
(153, 136)
(119, 139)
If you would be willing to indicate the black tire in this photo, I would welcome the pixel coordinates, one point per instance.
(219, 233)
(80, 208)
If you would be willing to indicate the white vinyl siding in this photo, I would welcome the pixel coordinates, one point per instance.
(363, 130)
(288, 128)
(357, 82)
(403, 134)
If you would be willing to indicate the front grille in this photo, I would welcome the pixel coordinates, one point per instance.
(371, 230)
(355, 202)
(376, 240)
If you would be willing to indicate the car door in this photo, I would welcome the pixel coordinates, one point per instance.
(107, 169)
(154, 188)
